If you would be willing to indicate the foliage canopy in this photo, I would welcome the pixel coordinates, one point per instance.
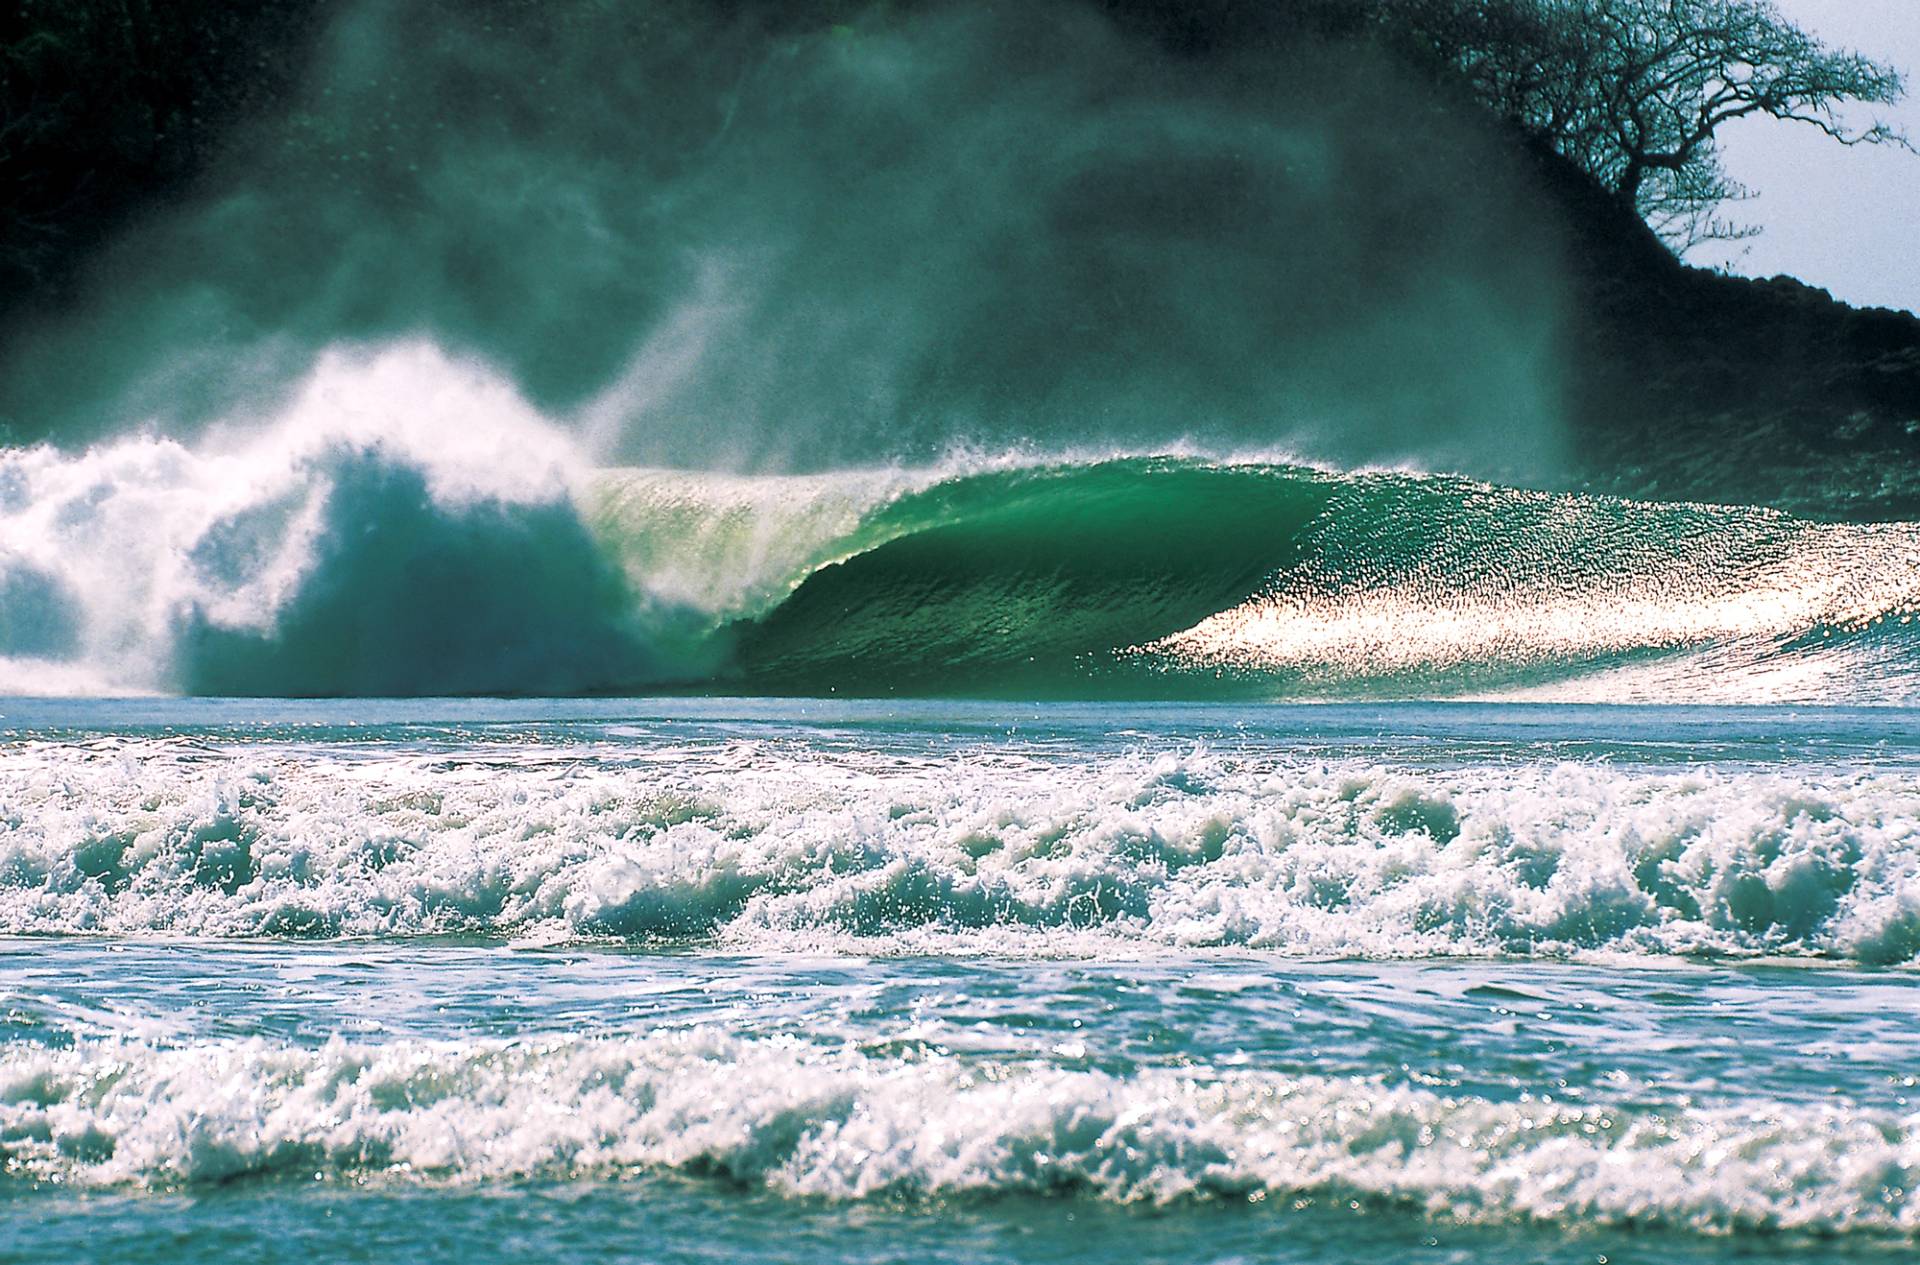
(1636, 92)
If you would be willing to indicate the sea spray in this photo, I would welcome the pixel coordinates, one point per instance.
(404, 525)
(768, 240)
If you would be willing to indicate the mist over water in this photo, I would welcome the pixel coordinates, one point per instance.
(755, 243)
(330, 424)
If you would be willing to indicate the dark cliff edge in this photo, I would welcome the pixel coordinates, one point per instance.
(1689, 384)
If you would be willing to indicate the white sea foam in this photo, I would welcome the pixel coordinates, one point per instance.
(364, 515)
(761, 843)
(842, 1124)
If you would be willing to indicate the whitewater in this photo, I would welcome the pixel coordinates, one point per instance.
(1364, 981)
(774, 839)
(416, 830)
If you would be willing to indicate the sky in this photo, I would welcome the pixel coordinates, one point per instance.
(1847, 220)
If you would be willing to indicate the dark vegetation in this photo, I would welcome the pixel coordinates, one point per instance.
(1693, 384)
(1634, 92)
(1683, 383)
(1696, 385)
(107, 106)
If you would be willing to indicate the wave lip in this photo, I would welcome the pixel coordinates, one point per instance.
(1189, 576)
(743, 843)
(835, 1123)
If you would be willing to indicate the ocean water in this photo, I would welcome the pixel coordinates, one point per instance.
(908, 640)
(711, 979)
(406, 525)
(1162, 855)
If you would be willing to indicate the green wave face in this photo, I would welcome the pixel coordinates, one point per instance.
(1182, 577)
(342, 568)
(1032, 580)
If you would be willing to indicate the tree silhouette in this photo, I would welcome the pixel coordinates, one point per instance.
(1636, 91)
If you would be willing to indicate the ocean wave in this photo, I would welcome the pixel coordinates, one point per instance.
(406, 524)
(840, 1123)
(756, 843)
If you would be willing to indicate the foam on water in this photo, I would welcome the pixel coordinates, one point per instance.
(844, 1124)
(757, 842)
(403, 523)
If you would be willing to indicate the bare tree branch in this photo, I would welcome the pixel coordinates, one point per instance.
(1636, 91)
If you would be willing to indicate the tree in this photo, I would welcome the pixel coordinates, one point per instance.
(1636, 91)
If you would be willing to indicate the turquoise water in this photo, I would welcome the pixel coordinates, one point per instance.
(796, 980)
(316, 561)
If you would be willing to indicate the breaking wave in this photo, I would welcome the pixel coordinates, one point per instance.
(838, 1123)
(409, 526)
